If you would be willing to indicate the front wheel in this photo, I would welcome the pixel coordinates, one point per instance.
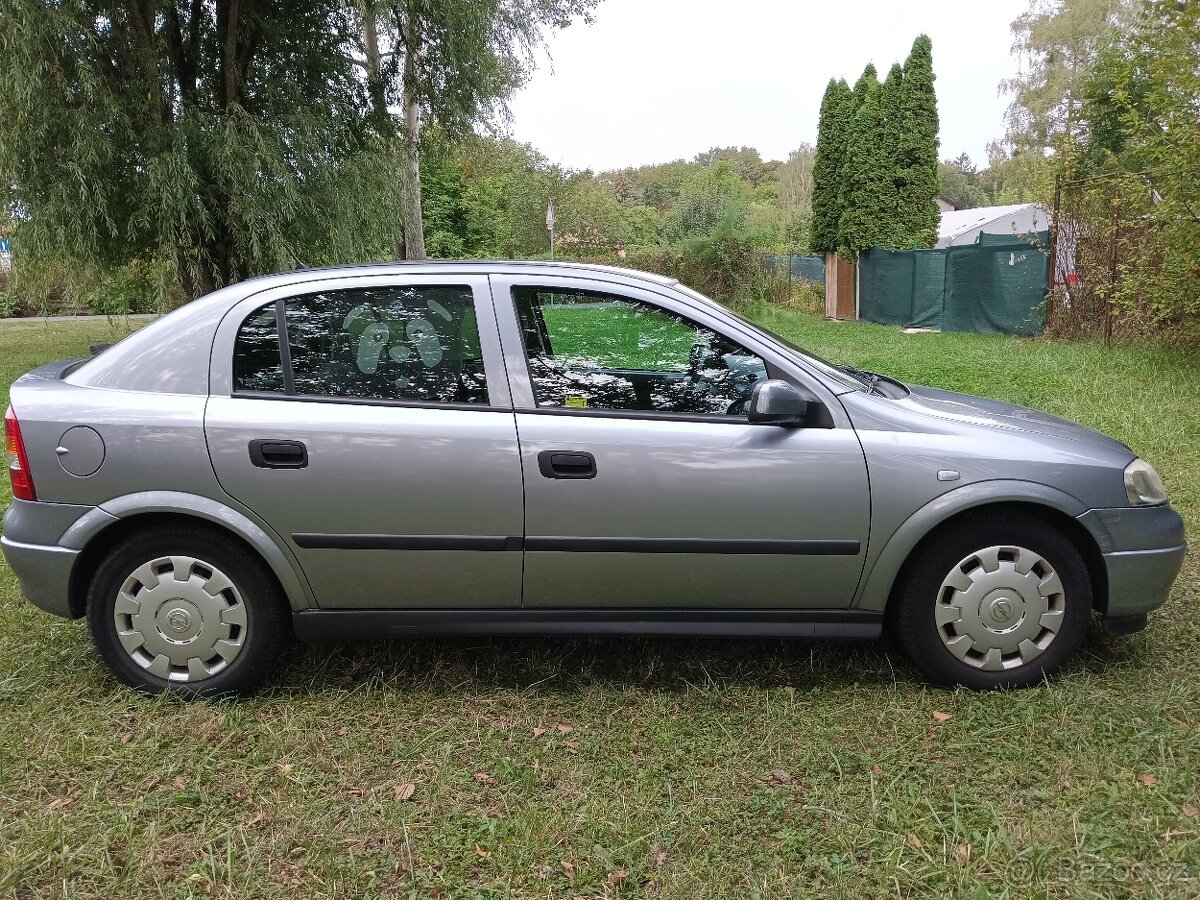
(187, 611)
(998, 602)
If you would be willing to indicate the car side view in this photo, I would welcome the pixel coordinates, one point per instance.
(546, 448)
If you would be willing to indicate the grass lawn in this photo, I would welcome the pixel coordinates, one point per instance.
(635, 767)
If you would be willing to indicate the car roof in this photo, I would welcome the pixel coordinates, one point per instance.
(485, 266)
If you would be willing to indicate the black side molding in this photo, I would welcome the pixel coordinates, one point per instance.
(373, 624)
(318, 541)
(734, 546)
(724, 547)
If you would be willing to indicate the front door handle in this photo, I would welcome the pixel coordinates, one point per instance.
(566, 464)
(275, 454)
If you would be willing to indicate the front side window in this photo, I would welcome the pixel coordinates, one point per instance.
(591, 350)
(386, 343)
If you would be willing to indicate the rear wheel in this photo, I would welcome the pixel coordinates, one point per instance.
(187, 611)
(998, 602)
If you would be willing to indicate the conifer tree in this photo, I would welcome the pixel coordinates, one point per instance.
(889, 135)
(832, 130)
(918, 152)
(866, 176)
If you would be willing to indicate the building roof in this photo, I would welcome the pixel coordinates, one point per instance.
(960, 221)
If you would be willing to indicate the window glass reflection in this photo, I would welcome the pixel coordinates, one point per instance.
(589, 350)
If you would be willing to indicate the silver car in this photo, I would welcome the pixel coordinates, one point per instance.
(501, 448)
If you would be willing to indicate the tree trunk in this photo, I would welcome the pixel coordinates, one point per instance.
(414, 228)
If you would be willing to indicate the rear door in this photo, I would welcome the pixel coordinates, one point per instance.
(645, 485)
(380, 444)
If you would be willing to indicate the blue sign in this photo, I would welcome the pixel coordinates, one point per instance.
(4, 248)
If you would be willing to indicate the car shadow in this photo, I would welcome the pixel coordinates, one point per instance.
(563, 665)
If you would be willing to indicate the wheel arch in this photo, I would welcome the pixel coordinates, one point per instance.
(105, 527)
(1055, 507)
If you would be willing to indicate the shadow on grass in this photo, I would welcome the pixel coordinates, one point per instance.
(563, 665)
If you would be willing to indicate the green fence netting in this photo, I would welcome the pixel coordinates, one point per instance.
(996, 285)
(809, 268)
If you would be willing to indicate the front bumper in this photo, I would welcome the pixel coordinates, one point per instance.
(1143, 550)
(30, 543)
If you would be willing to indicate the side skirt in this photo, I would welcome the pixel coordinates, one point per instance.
(373, 624)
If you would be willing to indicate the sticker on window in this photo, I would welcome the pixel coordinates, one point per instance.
(574, 402)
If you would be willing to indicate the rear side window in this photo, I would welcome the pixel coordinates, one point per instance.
(256, 365)
(387, 343)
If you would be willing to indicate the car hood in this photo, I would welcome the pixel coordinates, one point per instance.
(972, 410)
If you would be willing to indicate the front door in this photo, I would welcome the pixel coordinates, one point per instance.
(645, 486)
(381, 446)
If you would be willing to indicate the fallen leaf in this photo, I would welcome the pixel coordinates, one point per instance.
(962, 852)
(538, 731)
(790, 691)
(509, 746)
(126, 738)
(913, 841)
(652, 888)
(877, 769)
(1191, 810)
(287, 768)
(405, 791)
(941, 716)
(479, 851)
(255, 819)
(660, 859)
(1147, 778)
(568, 869)
(571, 745)
(544, 871)
(60, 802)
(343, 731)
(565, 727)
(180, 783)
(779, 776)
(485, 778)
(618, 876)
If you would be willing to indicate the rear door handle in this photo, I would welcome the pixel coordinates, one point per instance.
(274, 454)
(566, 464)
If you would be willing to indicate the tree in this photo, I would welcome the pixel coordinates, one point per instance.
(867, 199)
(917, 153)
(796, 194)
(837, 112)
(1058, 42)
(958, 187)
(1143, 153)
(456, 64)
(895, 204)
(205, 138)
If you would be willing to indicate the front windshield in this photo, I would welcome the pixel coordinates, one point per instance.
(823, 366)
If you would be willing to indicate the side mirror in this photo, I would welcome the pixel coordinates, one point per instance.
(775, 402)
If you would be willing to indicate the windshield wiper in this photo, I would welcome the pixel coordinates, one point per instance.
(869, 379)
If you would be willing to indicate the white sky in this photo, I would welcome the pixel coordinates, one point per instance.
(656, 80)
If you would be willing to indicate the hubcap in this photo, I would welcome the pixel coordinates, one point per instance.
(180, 618)
(1000, 608)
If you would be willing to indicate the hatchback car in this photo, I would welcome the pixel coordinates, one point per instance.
(504, 448)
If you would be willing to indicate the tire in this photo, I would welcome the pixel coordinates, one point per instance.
(187, 611)
(997, 602)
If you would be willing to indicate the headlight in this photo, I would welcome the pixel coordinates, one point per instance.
(1143, 485)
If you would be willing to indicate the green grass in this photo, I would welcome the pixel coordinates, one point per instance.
(704, 769)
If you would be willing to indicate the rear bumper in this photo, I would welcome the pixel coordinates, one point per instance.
(1143, 550)
(44, 573)
(30, 543)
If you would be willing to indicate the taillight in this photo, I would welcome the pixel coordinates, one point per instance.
(18, 462)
